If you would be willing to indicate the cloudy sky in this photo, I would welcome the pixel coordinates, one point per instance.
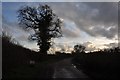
(92, 24)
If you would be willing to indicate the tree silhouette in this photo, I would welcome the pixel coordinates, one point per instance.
(43, 21)
(79, 48)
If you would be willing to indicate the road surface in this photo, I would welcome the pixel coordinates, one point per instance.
(65, 69)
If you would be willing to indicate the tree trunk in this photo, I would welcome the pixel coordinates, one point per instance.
(45, 45)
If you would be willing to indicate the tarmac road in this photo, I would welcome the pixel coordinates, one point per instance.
(65, 69)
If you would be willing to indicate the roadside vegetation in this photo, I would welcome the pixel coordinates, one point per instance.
(21, 63)
(103, 64)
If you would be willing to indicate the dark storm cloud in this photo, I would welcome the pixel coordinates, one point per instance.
(107, 17)
(107, 11)
(101, 16)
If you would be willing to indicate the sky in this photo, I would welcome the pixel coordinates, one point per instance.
(92, 24)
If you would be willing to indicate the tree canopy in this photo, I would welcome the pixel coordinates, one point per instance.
(45, 23)
(79, 48)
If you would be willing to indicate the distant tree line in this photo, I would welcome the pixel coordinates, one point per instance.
(81, 49)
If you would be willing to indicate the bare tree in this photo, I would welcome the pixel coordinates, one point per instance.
(43, 21)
